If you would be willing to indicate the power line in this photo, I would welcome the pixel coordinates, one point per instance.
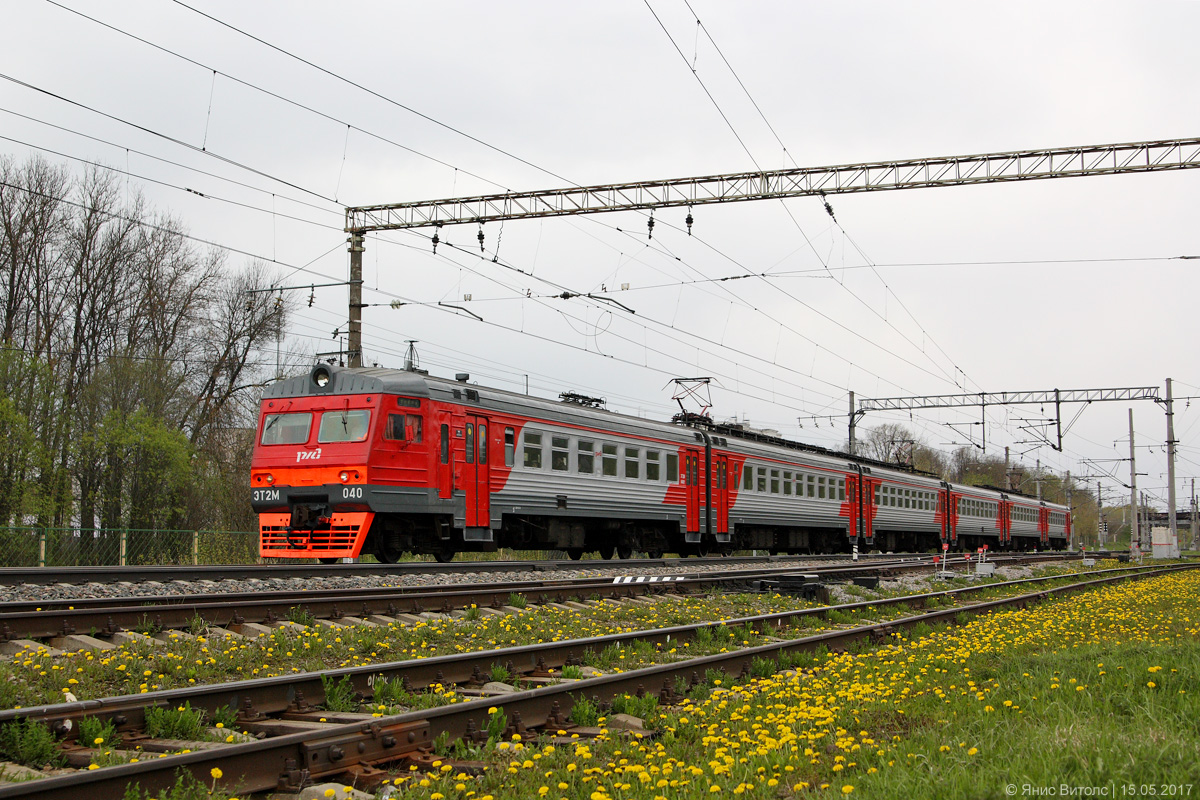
(164, 136)
(270, 93)
(371, 92)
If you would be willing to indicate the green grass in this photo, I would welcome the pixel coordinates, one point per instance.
(1115, 731)
(182, 722)
(30, 744)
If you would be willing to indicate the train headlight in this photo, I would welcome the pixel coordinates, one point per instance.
(344, 476)
(321, 376)
(270, 478)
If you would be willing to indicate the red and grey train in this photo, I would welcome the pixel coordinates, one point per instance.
(387, 462)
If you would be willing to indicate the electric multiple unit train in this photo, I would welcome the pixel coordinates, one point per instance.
(388, 462)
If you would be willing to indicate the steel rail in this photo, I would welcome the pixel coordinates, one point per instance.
(107, 616)
(285, 762)
(10, 576)
(33, 620)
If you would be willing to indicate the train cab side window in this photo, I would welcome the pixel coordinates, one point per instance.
(653, 472)
(510, 447)
(532, 454)
(394, 430)
(633, 462)
(445, 445)
(585, 461)
(560, 457)
(415, 426)
(608, 460)
(672, 467)
(761, 482)
(774, 481)
(787, 482)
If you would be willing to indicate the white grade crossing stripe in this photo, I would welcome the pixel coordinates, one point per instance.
(646, 579)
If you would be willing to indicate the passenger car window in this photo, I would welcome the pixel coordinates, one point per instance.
(560, 457)
(533, 450)
(608, 460)
(585, 461)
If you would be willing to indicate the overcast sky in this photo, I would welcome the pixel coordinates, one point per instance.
(1066, 283)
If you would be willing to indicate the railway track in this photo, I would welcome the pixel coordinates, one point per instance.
(11, 576)
(89, 623)
(302, 742)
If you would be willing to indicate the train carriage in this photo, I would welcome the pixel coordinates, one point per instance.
(387, 462)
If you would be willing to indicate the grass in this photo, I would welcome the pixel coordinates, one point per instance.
(181, 722)
(30, 744)
(1094, 689)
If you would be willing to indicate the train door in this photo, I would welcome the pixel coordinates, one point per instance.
(1005, 520)
(721, 492)
(692, 462)
(445, 461)
(1044, 525)
(949, 502)
(868, 504)
(477, 473)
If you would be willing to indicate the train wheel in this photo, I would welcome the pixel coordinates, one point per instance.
(624, 552)
(654, 554)
(388, 555)
(606, 553)
(575, 553)
(329, 560)
(443, 556)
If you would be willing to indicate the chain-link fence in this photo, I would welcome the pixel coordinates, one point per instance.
(67, 547)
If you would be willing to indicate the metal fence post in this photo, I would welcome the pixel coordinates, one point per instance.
(122, 548)
(195, 548)
(42, 547)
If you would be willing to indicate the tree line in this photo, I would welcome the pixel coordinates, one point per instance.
(130, 360)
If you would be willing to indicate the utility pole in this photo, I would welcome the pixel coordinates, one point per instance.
(1007, 469)
(1174, 524)
(1038, 478)
(1067, 487)
(356, 304)
(1135, 533)
(1099, 515)
(852, 422)
(1193, 513)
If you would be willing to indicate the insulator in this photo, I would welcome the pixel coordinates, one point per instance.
(650, 226)
(249, 305)
(479, 236)
(312, 295)
(689, 222)
(435, 240)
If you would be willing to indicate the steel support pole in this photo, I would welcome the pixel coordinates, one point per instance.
(1174, 524)
(1135, 532)
(356, 305)
(1194, 532)
(853, 422)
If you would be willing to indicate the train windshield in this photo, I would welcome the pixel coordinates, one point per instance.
(286, 428)
(344, 426)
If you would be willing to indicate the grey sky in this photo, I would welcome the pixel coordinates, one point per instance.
(597, 93)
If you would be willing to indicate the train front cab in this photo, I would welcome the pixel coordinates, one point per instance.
(333, 452)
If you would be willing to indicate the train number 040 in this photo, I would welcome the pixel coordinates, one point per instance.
(352, 492)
